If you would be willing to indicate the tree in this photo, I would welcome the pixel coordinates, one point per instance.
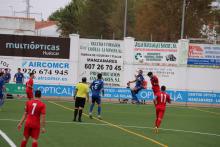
(162, 19)
(69, 17)
(94, 22)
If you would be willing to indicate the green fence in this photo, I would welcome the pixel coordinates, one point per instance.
(15, 88)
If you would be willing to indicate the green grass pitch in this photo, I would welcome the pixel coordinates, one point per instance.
(181, 127)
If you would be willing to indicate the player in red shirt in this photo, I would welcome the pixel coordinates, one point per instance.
(29, 86)
(35, 111)
(154, 82)
(160, 100)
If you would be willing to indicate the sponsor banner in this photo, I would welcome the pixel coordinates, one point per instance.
(203, 97)
(15, 88)
(101, 56)
(156, 53)
(55, 90)
(176, 96)
(117, 93)
(34, 46)
(167, 75)
(46, 72)
(120, 93)
(49, 72)
(204, 55)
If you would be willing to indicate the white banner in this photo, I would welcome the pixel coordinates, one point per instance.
(156, 53)
(101, 56)
(170, 76)
(46, 71)
(204, 55)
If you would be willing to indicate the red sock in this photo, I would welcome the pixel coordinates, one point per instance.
(23, 143)
(158, 123)
(34, 144)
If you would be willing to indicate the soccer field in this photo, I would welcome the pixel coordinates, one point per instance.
(123, 125)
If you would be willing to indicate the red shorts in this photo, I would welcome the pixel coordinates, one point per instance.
(160, 113)
(33, 132)
(30, 94)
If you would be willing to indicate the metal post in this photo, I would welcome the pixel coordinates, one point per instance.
(183, 18)
(28, 8)
(125, 18)
(12, 10)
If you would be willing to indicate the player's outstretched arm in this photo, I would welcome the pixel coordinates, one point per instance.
(22, 121)
(43, 123)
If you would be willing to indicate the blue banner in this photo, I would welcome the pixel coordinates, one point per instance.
(125, 93)
(55, 90)
(205, 62)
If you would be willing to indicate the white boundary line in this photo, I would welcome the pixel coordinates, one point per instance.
(125, 126)
(9, 141)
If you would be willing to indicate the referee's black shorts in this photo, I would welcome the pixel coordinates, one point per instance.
(80, 102)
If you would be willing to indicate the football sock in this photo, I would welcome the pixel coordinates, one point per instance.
(99, 110)
(91, 107)
(34, 144)
(75, 113)
(23, 143)
(158, 123)
(80, 115)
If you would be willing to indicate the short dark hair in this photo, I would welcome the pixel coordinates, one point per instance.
(99, 76)
(38, 93)
(150, 73)
(6, 69)
(31, 73)
(19, 68)
(84, 79)
(163, 88)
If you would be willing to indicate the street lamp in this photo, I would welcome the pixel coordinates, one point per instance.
(183, 18)
(125, 18)
(12, 10)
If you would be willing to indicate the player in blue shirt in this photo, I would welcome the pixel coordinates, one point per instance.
(139, 79)
(96, 87)
(19, 77)
(7, 76)
(2, 82)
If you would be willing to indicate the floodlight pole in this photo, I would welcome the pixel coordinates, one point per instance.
(125, 18)
(183, 18)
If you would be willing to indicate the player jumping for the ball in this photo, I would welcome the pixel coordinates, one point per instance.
(140, 83)
(160, 100)
(154, 82)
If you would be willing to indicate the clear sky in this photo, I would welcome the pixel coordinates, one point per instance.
(46, 7)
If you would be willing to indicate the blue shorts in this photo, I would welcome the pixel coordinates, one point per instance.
(138, 88)
(96, 99)
(1, 95)
(1, 99)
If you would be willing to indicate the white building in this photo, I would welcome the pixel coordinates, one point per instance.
(17, 25)
(46, 28)
(28, 26)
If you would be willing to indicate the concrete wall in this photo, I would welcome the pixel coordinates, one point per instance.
(17, 26)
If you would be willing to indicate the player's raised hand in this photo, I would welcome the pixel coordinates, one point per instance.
(19, 126)
(43, 130)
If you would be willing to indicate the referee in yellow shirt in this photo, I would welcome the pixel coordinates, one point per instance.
(80, 96)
